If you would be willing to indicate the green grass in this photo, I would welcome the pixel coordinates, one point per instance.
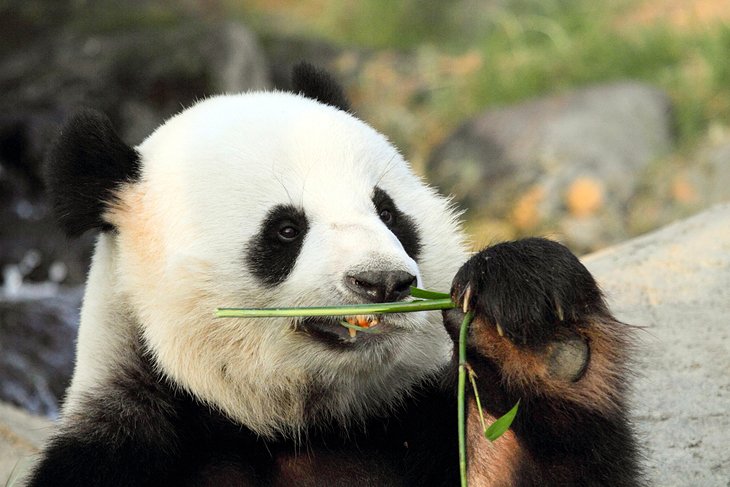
(571, 47)
(531, 48)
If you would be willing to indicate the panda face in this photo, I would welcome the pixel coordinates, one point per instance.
(271, 200)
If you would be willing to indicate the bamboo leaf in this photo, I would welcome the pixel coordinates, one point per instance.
(499, 427)
(417, 292)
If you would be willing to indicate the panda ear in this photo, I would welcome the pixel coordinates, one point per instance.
(84, 166)
(318, 84)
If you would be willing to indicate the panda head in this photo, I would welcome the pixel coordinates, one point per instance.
(264, 199)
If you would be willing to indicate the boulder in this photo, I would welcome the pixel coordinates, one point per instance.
(674, 284)
(570, 162)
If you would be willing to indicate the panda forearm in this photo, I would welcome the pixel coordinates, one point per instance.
(572, 422)
(585, 365)
(543, 335)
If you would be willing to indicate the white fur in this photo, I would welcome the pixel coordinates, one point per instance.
(209, 177)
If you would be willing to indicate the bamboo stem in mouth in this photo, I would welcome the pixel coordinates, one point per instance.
(358, 309)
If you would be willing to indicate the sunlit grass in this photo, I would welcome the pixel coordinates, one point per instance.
(527, 49)
(461, 57)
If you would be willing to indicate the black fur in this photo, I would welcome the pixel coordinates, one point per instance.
(402, 225)
(144, 431)
(319, 85)
(84, 166)
(566, 444)
(269, 257)
(523, 285)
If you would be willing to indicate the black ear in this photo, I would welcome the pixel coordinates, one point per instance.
(318, 84)
(84, 166)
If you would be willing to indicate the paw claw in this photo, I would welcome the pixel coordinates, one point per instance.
(500, 330)
(559, 311)
(466, 299)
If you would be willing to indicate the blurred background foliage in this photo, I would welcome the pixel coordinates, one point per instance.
(419, 69)
(472, 54)
(484, 53)
(466, 56)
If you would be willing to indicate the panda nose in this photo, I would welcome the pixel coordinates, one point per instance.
(380, 286)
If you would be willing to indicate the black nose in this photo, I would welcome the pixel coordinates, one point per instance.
(380, 286)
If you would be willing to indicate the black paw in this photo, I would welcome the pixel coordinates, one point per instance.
(527, 289)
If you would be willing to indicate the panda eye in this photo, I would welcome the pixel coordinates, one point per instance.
(386, 216)
(288, 233)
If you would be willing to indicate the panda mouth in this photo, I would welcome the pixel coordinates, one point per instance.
(344, 330)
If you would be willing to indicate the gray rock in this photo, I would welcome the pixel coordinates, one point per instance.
(38, 327)
(675, 283)
(21, 438)
(580, 154)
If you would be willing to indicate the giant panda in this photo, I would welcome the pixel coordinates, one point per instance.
(269, 199)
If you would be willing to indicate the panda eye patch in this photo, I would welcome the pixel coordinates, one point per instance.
(273, 251)
(400, 224)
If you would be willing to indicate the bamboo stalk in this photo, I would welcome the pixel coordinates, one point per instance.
(461, 403)
(360, 309)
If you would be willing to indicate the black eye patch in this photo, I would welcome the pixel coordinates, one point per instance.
(402, 225)
(273, 251)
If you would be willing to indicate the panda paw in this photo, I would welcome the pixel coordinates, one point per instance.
(529, 290)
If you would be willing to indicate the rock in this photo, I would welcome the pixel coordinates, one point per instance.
(675, 283)
(38, 327)
(578, 155)
(21, 438)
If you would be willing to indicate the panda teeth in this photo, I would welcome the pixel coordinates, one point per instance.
(352, 332)
(364, 321)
